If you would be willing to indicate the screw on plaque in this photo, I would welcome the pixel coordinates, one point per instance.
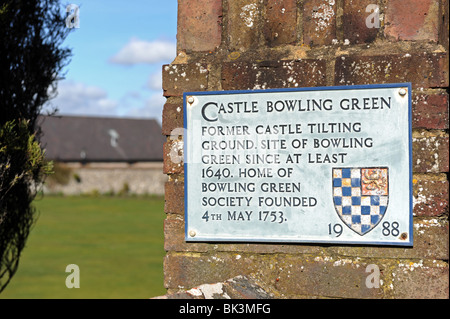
(190, 99)
(192, 233)
(402, 91)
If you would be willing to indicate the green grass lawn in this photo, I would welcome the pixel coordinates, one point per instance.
(116, 242)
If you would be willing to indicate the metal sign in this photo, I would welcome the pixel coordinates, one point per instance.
(313, 165)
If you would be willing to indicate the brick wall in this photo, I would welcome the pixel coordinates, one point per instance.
(262, 44)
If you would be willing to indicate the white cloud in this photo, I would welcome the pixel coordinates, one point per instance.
(138, 51)
(75, 98)
(81, 99)
(152, 108)
(155, 80)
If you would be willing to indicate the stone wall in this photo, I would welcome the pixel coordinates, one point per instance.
(262, 44)
(108, 178)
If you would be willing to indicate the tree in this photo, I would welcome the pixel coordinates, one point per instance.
(31, 61)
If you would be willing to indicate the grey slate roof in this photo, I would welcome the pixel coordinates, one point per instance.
(99, 139)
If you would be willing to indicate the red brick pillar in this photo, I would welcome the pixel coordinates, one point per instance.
(262, 44)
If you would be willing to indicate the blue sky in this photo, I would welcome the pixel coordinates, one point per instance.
(118, 52)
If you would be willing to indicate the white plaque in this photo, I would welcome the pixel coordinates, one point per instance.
(312, 165)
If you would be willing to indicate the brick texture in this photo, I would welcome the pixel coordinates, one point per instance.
(199, 25)
(174, 202)
(416, 20)
(322, 276)
(179, 78)
(319, 22)
(239, 287)
(172, 118)
(173, 157)
(273, 74)
(244, 18)
(280, 25)
(430, 154)
(430, 240)
(430, 111)
(443, 26)
(430, 196)
(355, 28)
(421, 69)
(419, 280)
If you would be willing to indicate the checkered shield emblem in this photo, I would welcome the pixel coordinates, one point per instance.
(360, 196)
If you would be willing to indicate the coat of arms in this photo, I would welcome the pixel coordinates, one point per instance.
(360, 196)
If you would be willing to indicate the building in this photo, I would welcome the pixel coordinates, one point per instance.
(98, 155)
(246, 45)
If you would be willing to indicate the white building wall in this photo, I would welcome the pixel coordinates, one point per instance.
(104, 178)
